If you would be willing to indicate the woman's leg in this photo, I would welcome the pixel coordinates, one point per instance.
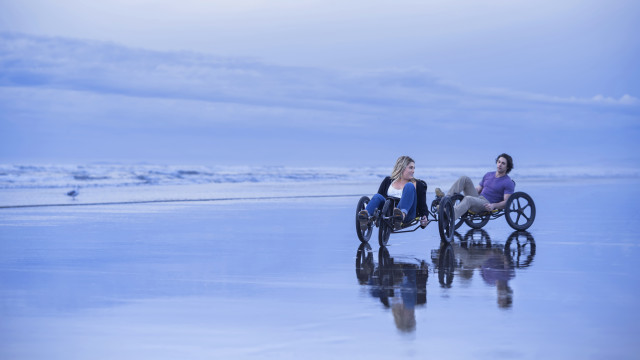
(376, 202)
(408, 202)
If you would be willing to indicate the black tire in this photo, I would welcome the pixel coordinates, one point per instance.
(520, 211)
(520, 249)
(455, 200)
(385, 228)
(477, 222)
(446, 220)
(364, 236)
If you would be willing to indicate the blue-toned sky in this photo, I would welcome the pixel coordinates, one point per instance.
(318, 83)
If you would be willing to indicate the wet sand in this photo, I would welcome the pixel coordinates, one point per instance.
(278, 278)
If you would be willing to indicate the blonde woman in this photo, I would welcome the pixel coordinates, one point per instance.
(403, 185)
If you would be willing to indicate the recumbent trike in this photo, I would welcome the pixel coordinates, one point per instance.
(383, 219)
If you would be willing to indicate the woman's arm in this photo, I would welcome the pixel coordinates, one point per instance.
(384, 186)
(421, 192)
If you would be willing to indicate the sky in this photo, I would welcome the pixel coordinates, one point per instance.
(319, 83)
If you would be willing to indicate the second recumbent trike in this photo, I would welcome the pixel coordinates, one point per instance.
(383, 219)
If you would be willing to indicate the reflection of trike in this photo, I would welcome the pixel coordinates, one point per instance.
(383, 219)
(496, 263)
(399, 283)
(392, 276)
(520, 212)
(471, 250)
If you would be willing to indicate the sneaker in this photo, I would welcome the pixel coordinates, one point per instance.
(363, 217)
(439, 193)
(398, 217)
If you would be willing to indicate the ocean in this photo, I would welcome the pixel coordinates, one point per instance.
(169, 262)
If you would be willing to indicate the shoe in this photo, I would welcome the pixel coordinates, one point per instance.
(439, 193)
(398, 217)
(363, 217)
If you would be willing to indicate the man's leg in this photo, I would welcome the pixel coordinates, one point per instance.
(463, 185)
(475, 204)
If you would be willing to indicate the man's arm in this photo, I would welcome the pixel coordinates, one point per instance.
(479, 188)
(499, 205)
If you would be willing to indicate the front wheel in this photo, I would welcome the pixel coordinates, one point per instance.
(385, 227)
(520, 211)
(446, 220)
(365, 235)
(477, 221)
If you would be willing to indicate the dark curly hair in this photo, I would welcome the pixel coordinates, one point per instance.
(509, 161)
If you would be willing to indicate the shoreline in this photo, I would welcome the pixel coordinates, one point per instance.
(123, 195)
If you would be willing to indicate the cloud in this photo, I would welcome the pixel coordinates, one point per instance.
(626, 99)
(64, 92)
(109, 68)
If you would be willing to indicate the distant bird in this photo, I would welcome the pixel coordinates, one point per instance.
(73, 193)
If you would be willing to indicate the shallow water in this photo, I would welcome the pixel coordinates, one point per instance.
(288, 279)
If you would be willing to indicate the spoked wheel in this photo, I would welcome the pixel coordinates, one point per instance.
(446, 220)
(364, 263)
(520, 249)
(446, 264)
(385, 228)
(455, 199)
(520, 211)
(477, 221)
(365, 235)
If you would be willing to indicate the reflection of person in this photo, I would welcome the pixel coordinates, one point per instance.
(401, 184)
(496, 271)
(404, 312)
(400, 286)
(492, 192)
(496, 268)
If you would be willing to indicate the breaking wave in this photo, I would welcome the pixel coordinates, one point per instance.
(119, 175)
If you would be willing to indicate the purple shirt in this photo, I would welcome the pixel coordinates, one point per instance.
(494, 189)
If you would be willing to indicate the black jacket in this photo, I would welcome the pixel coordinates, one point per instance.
(421, 192)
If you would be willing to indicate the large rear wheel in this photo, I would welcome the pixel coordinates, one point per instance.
(363, 235)
(520, 211)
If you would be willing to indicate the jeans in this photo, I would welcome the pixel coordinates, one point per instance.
(407, 202)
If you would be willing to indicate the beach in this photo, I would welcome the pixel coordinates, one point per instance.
(277, 275)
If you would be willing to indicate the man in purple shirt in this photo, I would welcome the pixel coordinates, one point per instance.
(492, 192)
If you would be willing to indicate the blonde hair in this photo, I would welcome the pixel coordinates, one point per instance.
(401, 164)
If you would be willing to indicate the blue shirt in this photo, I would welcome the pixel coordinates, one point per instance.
(494, 189)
